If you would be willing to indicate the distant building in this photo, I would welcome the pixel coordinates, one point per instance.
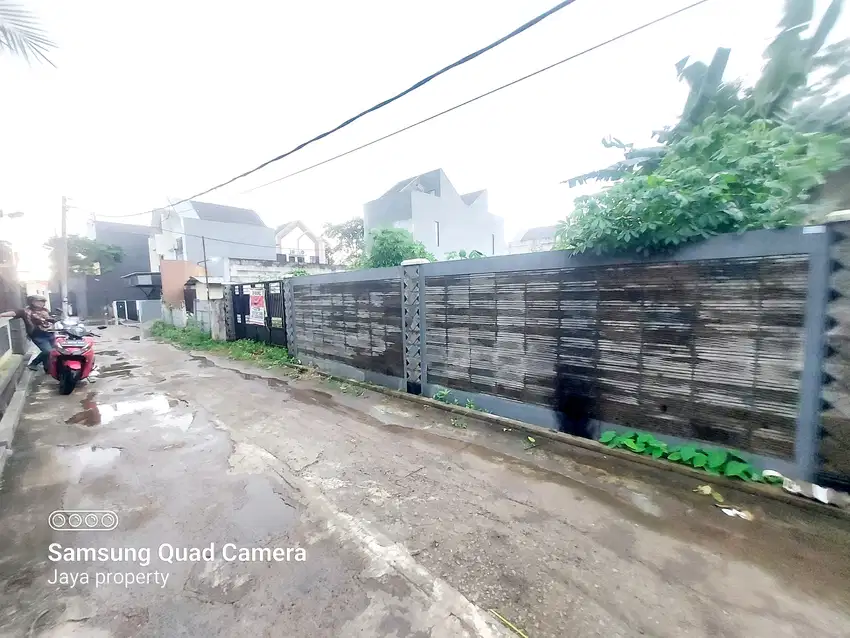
(296, 243)
(534, 240)
(90, 295)
(438, 216)
(182, 230)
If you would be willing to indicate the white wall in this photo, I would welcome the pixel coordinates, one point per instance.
(216, 291)
(247, 271)
(296, 240)
(163, 245)
(462, 227)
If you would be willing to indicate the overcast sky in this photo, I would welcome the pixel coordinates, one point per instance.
(174, 96)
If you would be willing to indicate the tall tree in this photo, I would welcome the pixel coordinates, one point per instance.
(21, 35)
(85, 256)
(799, 85)
(728, 174)
(348, 241)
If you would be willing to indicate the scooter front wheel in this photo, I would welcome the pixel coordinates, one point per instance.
(67, 381)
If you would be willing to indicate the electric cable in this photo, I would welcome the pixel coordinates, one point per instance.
(474, 99)
(448, 110)
(467, 58)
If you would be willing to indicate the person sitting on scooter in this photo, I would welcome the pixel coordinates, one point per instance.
(38, 322)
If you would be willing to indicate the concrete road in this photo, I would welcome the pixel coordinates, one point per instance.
(389, 519)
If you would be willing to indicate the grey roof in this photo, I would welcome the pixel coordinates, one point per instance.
(539, 233)
(469, 198)
(430, 181)
(226, 214)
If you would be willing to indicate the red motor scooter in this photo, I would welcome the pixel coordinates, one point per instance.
(72, 360)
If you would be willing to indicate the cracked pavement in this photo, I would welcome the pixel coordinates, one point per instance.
(413, 522)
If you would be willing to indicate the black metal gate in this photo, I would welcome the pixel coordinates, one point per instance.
(121, 309)
(132, 311)
(267, 323)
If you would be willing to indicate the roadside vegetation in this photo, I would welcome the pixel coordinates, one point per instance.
(740, 158)
(714, 461)
(193, 338)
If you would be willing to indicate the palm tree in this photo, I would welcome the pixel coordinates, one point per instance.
(783, 91)
(21, 35)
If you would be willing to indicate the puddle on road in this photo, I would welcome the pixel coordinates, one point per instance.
(107, 353)
(84, 458)
(94, 413)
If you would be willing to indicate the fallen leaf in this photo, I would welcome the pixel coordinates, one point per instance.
(703, 489)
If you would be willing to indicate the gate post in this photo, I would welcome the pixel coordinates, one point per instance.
(411, 310)
(229, 313)
(289, 316)
(267, 294)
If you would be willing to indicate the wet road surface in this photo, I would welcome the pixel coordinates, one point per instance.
(412, 521)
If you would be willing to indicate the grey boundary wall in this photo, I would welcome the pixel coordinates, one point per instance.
(349, 309)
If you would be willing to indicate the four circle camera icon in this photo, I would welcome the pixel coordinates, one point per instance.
(78, 520)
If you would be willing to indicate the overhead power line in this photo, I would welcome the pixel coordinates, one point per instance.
(478, 97)
(621, 36)
(380, 105)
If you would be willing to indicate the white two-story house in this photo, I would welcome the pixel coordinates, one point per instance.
(438, 216)
(184, 232)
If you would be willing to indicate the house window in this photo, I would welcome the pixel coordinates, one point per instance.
(314, 259)
(493, 244)
(300, 259)
(437, 231)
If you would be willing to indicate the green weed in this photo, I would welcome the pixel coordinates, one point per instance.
(444, 395)
(715, 461)
(191, 338)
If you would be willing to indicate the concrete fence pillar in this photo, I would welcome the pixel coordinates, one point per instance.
(229, 313)
(218, 323)
(289, 316)
(18, 336)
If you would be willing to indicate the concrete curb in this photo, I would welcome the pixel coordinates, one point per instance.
(12, 416)
(753, 489)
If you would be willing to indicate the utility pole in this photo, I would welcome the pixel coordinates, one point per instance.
(63, 266)
(206, 270)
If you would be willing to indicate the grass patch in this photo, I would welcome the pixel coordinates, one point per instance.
(192, 338)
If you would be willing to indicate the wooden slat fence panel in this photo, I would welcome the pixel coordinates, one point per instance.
(356, 323)
(708, 350)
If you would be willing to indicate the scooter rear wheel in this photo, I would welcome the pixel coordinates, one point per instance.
(67, 381)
